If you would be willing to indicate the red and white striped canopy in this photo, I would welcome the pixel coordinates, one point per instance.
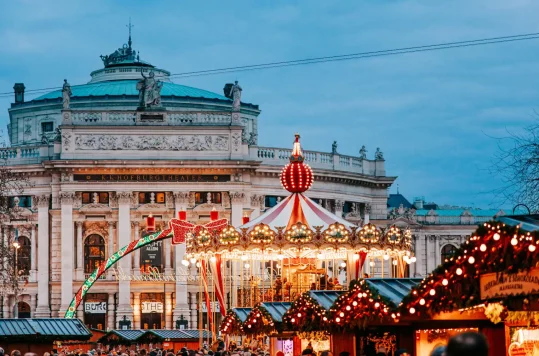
(297, 208)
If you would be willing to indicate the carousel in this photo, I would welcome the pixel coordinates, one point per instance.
(294, 247)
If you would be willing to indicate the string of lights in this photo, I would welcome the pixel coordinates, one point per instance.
(334, 58)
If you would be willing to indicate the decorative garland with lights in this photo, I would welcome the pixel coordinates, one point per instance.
(231, 324)
(360, 306)
(306, 315)
(259, 322)
(493, 248)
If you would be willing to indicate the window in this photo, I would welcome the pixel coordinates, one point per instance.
(151, 197)
(23, 310)
(24, 201)
(94, 252)
(99, 197)
(448, 251)
(23, 256)
(47, 126)
(347, 207)
(271, 201)
(95, 307)
(208, 197)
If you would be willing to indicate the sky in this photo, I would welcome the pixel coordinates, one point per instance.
(436, 115)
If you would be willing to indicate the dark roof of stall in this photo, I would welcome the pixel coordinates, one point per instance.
(276, 309)
(325, 298)
(527, 222)
(394, 289)
(43, 329)
(242, 313)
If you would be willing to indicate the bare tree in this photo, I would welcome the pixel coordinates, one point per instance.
(517, 163)
(12, 183)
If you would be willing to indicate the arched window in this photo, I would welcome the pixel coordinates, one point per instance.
(448, 251)
(24, 255)
(23, 310)
(94, 252)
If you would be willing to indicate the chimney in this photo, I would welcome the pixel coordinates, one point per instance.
(19, 92)
(418, 203)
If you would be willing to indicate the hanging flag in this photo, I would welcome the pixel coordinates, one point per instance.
(218, 283)
(360, 262)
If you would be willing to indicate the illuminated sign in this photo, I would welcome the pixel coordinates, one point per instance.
(151, 178)
(95, 307)
(496, 285)
(152, 307)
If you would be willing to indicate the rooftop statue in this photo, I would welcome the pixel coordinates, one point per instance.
(334, 147)
(66, 95)
(363, 152)
(149, 90)
(378, 155)
(235, 95)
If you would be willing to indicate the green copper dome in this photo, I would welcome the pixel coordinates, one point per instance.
(128, 87)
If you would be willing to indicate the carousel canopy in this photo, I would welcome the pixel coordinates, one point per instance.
(297, 208)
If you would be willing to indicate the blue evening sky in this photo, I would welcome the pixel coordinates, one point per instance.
(433, 114)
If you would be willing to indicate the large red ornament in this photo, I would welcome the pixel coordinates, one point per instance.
(297, 176)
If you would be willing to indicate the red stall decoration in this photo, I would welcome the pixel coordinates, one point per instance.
(266, 318)
(232, 324)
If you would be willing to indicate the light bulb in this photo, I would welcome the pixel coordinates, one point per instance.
(341, 314)
(356, 257)
(445, 282)
(193, 260)
(432, 292)
(213, 258)
(459, 271)
(422, 301)
(514, 241)
(412, 310)
(386, 257)
(394, 262)
(343, 264)
(246, 265)
(471, 260)
(371, 264)
(185, 263)
(496, 236)
(320, 256)
(414, 259)
(531, 248)
(244, 257)
(483, 247)
(338, 320)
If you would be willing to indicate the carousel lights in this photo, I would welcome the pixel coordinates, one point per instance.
(343, 264)
(445, 282)
(229, 236)
(299, 233)
(336, 233)
(386, 257)
(204, 238)
(185, 263)
(422, 301)
(412, 310)
(432, 292)
(369, 234)
(262, 234)
(459, 271)
(393, 235)
(471, 260)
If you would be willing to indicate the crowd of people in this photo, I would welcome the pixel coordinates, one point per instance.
(464, 344)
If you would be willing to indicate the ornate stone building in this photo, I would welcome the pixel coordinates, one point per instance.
(104, 155)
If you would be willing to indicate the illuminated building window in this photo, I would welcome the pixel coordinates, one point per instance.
(94, 252)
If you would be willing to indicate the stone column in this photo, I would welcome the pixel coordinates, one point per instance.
(168, 310)
(66, 248)
(168, 244)
(136, 258)
(33, 304)
(136, 310)
(367, 213)
(33, 258)
(181, 201)
(111, 244)
(79, 272)
(43, 309)
(110, 312)
(255, 205)
(194, 312)
(339, 204)
(124, 238)
(237, 199)
(5, 307)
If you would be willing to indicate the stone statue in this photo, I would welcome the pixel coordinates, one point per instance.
(252, 139)
(363, 152)
(334, 147)
(378, 155)
(235, 94)
(66, 95)
(149, 90)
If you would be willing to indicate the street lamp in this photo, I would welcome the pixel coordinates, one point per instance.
(16, 246)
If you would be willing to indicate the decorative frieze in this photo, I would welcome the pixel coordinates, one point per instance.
(42, 201)
(181, 197)
(124, 197)
(153, 142)
(237, 197)
(339, 204)
(257, 201)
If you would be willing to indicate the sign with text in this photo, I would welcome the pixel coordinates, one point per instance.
(152, 307)
(151, 178)
(95, 307)
(150, 255)
(496, 285)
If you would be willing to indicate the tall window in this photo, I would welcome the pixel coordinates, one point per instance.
(448, 251)
(47, 126)
(99, 197)
(146, 197)
(24, 255)
(94, 252)
(205, 197)
(24, 202)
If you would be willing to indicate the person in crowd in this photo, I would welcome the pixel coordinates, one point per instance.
(467, 344)
(438, 351)
(30, 354)
(344, 353)
(401, 352)
(15, 353)
(326, 353)
(307, 352)
(1, 351)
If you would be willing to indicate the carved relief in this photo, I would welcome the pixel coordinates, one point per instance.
(236, 141)
(77, 202)
(402, 212)
(339, 204)
(98, 228)
(225, 199)
(95, 207)
(65, 177)
(66, 197)
(237, 197)
(153, 142)
(124, 197)
(181, 197)
(41, 201)
(66, 140)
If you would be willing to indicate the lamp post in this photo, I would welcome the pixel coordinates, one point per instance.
(16, 246)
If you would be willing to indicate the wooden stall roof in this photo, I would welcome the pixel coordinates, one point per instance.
(394, 289)
(242, 313)
(276, 309)
(325, 298)
(43, 330)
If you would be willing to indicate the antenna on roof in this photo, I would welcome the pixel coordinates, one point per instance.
(129, 27)
(397, 188)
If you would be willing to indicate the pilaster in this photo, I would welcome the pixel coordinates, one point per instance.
(43, 309)
(79, 271)
(110, 312)
(124, 238)
(33, 252)
(66, 247)
(237, 199)
(181, 201)
(136, 235)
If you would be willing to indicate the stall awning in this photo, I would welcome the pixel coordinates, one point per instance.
(196, 334)
(276, 310)
(325, 298)
(242, 313)
(393, 289)
(43, 329)
(527, 222)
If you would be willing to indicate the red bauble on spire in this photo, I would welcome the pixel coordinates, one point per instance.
(297, 177)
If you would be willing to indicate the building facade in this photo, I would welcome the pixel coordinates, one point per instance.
(103, 156)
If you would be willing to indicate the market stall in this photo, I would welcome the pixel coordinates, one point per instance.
(40, 335)
(490, 284)
(168, 339)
